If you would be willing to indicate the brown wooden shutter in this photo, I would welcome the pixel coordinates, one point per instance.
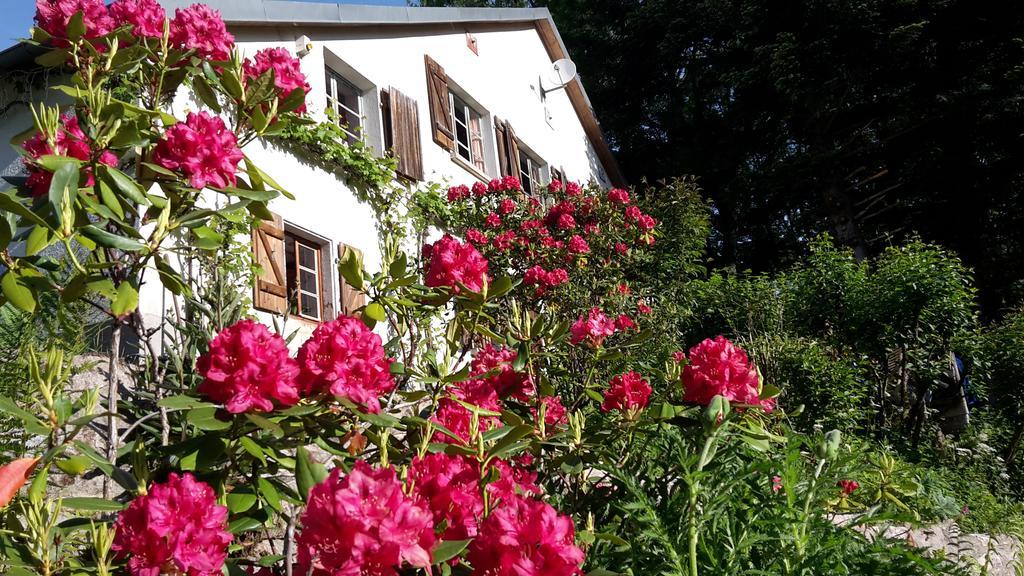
(513, 150)
(508, 148)
(437, 93)
(351, 299)
(270, 291)
(403, 133)
(501, 138)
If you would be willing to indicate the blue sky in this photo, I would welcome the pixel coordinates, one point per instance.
(17, 15)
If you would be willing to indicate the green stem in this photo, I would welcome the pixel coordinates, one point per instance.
(694, 493)
(801, 532)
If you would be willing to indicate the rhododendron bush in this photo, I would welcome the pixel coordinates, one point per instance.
(479, 415)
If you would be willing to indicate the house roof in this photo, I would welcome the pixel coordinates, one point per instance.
(291, 13)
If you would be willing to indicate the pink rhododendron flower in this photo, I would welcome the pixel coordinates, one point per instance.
(53, 16)
(643, 308)
(456, 193)
(347, 359)
(511, 184)
(247, 368)
(566, 222)
(718, 368)
(146, 17)
(493, 365)
(624, 323)
(593, 328)
(679, 356)
(479, 189)
(776, 484)
(555, 186)
(525, 537)
(363, 523)
(203, 149)
(507, 206)
(627, 393)
(591, 229)
(288, 75)
(492, 220)
(555, 413)
(573, 189)
(71, 141)
(475, 236)
(514, 478)
(504, 241)
(577, 245)
(633, 214)
(459, 420)
(453, 263)
(449, 485)
(623, 288)
(646, 222)
(848, 486)
(618, 196)
(494, 185)
(200, 28)
(621, 248)
(175, 528)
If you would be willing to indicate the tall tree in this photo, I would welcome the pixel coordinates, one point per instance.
(872, 120)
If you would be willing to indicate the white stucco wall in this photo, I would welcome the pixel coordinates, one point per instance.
(502, 80)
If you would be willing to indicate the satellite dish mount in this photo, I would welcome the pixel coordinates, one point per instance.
(561, 73)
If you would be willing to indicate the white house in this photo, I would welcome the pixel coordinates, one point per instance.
(459, 94)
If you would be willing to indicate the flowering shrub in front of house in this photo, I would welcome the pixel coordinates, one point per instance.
(466, 420)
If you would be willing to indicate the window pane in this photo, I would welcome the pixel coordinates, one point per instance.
(345, 101)
(307, 282)
(309, 306)
(307, 257)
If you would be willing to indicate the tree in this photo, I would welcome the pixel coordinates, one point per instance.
(871, 120)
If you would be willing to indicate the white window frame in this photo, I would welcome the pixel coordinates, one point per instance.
(458, 101)
(531, 182)
(334, 79)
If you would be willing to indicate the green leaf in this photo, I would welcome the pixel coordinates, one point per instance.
(17, 291)
(53, 58)
(350, 266)
(508, 442)
(240, 500)
(124, 184)
(243, 524)
(109, 240)
(182, 401)
(375, 312)
(448, 549)
(254, 449)
(266, 424)
(12, 204)
(74, 466)
(109, 199)
(87, 504)
(205, 93)
(205, 418)
(270, 495)
(127, 300)
(63, 187)
(257, 195)
(308, 473)
(76, 26)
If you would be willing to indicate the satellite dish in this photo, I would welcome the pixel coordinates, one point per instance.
(561, 73)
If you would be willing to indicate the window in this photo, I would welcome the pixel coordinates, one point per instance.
(529, 172)
(344, 100)
(469, 138)
(305, 277)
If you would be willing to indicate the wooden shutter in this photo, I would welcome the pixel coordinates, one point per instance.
(437, 93)
(351, 299)
(513, 150)
(508, 148)
(270, 291)
(501, 138)
(402, 134)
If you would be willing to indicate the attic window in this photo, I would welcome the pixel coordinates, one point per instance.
(344, 100)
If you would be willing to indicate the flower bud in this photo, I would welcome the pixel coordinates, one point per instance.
(716, 412)
(828, 448)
